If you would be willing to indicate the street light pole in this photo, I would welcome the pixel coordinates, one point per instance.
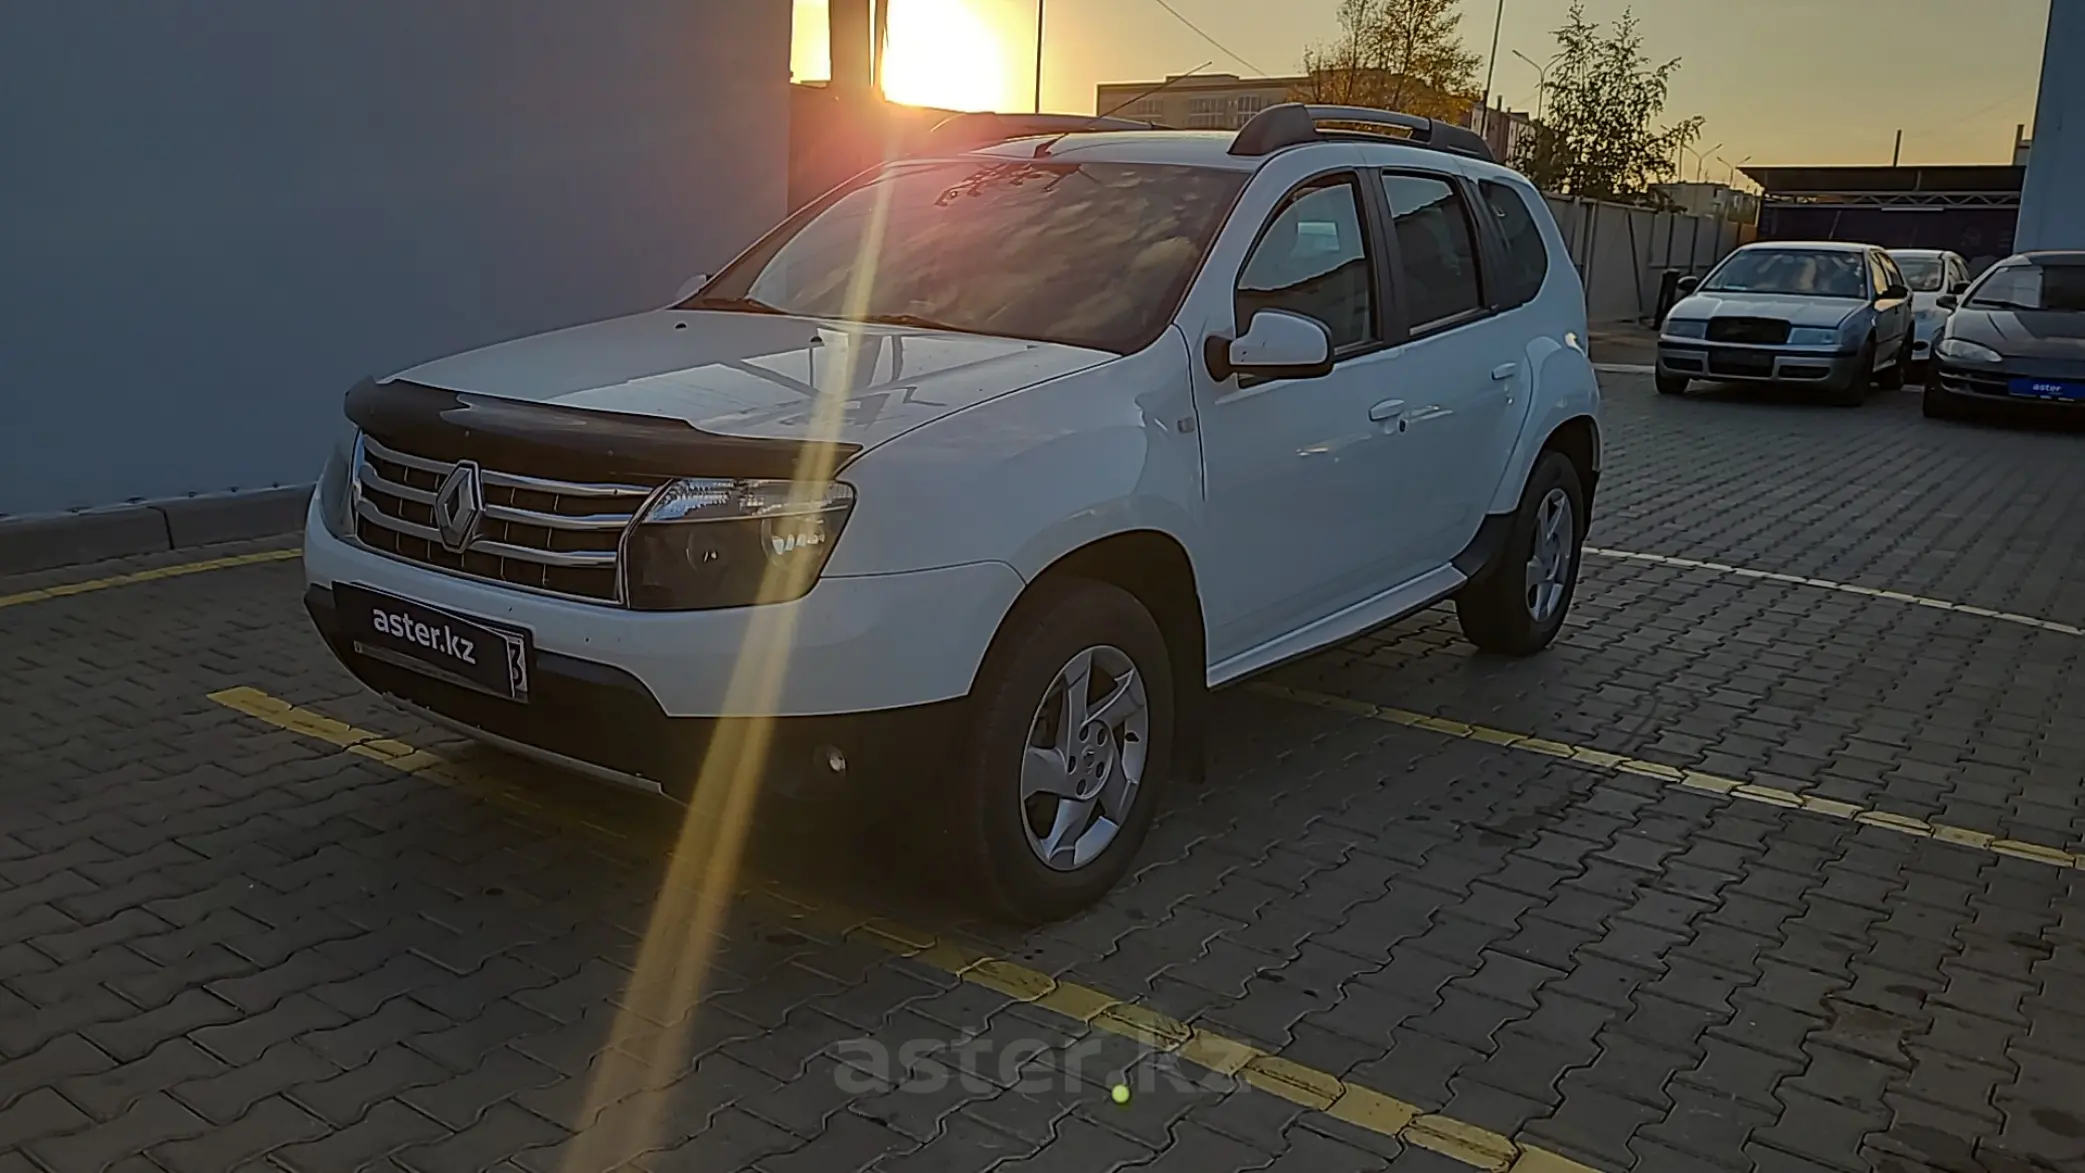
(1541, 80)
(1038, 53)
(1491, 69)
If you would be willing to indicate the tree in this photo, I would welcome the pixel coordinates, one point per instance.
(1395, 54)
(1599, 137)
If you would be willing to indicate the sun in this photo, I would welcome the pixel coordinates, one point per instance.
(942, 53)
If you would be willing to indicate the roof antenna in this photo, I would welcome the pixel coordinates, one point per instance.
(1042, 149)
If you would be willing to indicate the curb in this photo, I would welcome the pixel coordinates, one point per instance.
(48, 540)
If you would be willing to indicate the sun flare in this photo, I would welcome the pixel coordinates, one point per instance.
(943, 53)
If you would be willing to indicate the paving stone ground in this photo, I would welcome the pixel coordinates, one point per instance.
(224, 946)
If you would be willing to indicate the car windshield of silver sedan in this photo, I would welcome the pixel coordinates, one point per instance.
(2057, 288)
(1087, 254)
(1797, 272)
(1922, 274)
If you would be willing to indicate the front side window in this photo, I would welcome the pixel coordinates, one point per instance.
(1314, 260)
(1527, 257)
(1886, 273)
(2029, 286)
(1436, 247)
(1803, 272)
(1086, 254)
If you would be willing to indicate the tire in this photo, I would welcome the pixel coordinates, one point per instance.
(1893, 379)
(1499, 610)
(1939, 405)
(1672, 384)
(1854, 391)
(996, 831)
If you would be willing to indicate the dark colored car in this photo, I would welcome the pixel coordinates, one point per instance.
(2016, 338)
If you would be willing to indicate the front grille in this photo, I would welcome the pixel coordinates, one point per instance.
(556, 536)
(1764, 331)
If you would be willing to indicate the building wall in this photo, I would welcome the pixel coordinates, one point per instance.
(2052, 213)
(218, 216)
(1205, 102)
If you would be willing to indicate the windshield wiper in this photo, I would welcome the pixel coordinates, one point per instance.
(734, 305)
(914, 321)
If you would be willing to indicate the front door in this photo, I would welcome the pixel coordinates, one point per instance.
(1302, 514)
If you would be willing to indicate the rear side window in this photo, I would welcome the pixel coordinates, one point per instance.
(1527, 257)
(1437, 248)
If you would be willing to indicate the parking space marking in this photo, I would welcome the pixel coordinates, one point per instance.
(1844, 587)
(1694, 780)
(178, 570)
(1307, 1087)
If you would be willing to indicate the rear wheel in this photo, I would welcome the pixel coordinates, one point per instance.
(1853, 390)
(1517, 605)
(1672, 384)
(1070, 747)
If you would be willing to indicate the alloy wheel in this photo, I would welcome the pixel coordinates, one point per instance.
(1084, 761)
(1549, 563)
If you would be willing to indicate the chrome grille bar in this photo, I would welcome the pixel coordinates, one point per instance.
(593, 559)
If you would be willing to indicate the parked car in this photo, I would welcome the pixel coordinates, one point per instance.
(1932, 274)
(2016, 338)
(966, 482)
(1827, 315)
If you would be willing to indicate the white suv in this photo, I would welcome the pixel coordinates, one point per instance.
(969, 480)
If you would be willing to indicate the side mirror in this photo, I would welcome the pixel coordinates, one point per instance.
(1896, 293)
(1948, 301)
(1958, 289)
(1688, 284)
(1278, 345)
(691, 287)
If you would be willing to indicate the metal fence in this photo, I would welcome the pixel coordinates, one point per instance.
(1623, 251)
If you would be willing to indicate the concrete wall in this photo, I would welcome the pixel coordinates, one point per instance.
(218, 215)
(1622, 252)
(2052, 210)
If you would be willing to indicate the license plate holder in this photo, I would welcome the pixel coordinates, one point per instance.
(492, 658)
(2059, 389)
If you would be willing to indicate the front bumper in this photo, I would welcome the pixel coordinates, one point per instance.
(595, 717)
(1993, 384)
(1736, 363)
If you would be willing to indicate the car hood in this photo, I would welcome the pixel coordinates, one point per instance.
(757, 375)
(2035, 334)
(1797, 311)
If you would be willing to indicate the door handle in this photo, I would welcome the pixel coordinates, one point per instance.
(1388, 409)
(1504, 371)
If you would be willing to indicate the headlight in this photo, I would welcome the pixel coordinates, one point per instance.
(1814, 336)
(707, 543)
(336, 502)
(1686, 328)
(1965, 351)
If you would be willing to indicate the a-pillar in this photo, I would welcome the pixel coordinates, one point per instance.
(2052, 205)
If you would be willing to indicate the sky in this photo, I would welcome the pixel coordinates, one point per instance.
(1779, 81)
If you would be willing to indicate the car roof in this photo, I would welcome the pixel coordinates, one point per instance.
(1934, 253)
(2061, 256)
(1816, 246)
(1204, 148)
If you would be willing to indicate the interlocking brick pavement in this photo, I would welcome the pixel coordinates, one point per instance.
(223, 944)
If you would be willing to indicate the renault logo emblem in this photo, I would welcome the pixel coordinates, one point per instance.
(458, 507)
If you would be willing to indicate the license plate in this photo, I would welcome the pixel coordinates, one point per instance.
(472, 653)
(2048, 389)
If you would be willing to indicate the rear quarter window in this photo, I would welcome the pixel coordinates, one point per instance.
(1527, 257)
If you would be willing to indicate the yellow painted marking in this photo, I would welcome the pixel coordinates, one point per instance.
(1317, 1090)
(1843, 588)
(1696, 780)
(179, 570)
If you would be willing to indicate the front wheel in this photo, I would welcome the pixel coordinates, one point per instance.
(1893, 379)
(1517, 605)
(1070, 746)
(1672, 384)
(1939, 405)
(1854, 391)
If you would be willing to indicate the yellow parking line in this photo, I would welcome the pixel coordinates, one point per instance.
(1315, 1090)
(1694, 780)
(1842, 587)
(178, 570)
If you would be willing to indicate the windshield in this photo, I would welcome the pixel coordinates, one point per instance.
(2060, 288)
(1087, 254)
(1923, 274)
(1815, 274)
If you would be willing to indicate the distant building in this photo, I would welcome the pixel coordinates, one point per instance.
(1204, 101)
(1718, 200)
(1504, 129)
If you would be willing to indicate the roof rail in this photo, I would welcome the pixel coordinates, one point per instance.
(968, 131)
(1293, 123)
